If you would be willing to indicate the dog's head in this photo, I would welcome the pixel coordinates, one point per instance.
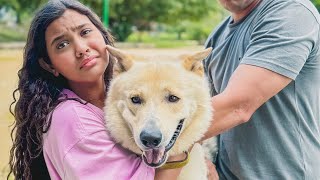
(156, 108)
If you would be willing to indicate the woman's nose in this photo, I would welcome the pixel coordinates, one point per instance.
(81, 53)
(81, 49)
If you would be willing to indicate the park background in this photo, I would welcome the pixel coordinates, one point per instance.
(142, 27)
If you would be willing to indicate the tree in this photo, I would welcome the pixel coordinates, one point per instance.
(125, 14)
(316, 3)
(141, 13)
(21, 6)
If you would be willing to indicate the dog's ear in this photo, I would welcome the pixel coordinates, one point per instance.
(123, 61)
(194, 62)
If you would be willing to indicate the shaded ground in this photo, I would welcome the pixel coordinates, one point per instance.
(10, 62)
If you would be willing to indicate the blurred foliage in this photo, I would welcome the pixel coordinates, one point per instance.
(198, 30)
(140, 14)
(11, 34)
(127, 15)
(193, 19)
(22, 7)
(316, 3)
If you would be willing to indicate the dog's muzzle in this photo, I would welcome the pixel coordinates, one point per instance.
(156, 157)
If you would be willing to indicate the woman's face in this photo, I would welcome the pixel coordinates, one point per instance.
(76, 49)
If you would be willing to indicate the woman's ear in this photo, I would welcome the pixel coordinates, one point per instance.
(48, 67)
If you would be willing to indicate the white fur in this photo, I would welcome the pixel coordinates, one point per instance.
(153, 82)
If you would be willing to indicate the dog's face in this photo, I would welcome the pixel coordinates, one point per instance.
(157, 108)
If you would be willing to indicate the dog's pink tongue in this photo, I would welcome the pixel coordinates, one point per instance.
(154, 155)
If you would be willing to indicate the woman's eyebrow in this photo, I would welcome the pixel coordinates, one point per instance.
(57, 39)
(79, 26)
(73, 29)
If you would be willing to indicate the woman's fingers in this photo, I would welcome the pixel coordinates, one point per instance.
(212, 172)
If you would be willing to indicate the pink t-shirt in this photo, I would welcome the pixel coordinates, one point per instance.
(77, 146)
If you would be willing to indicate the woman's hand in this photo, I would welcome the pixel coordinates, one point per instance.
(165, 174)
(212, 172)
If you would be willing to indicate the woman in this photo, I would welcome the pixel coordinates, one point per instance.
(62, 87)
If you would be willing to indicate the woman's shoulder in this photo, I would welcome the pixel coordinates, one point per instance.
(71, 121)
(72, 103)
(77, 114)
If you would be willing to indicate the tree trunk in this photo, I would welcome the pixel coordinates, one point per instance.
(179, 35)
(18, 17)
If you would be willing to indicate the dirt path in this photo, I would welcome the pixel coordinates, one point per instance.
(10, 62)
(9, 65)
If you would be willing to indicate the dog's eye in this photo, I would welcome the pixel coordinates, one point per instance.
(136, 100)
(173, 98)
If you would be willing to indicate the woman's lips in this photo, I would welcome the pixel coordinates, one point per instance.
(90, 61)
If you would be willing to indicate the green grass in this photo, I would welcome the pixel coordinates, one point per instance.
(12, 34)
(160, 40)
(174, 43)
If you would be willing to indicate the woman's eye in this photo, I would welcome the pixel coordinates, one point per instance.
(62, 45)
(173, 98)
(136, 100)
(86, 31)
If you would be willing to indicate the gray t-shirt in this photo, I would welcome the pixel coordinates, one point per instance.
(282, 138)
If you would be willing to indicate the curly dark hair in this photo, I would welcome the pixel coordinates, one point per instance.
(38, 91)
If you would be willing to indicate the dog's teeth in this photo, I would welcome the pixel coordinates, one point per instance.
(175, 135)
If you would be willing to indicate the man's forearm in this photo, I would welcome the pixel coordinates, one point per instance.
(226, 116)
(248, 88)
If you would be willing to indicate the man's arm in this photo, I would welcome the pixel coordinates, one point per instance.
(249, 87)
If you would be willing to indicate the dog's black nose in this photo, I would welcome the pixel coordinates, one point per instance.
(150, 139)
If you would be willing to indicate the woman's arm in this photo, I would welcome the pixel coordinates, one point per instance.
(165, 174)
(77, 146)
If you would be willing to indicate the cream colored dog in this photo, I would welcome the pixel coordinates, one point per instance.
(160, 108)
